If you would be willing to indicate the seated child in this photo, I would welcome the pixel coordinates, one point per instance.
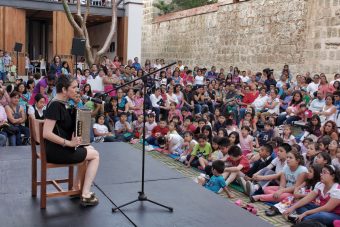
(138, 127)
(200, 154)
(188, 125)
(220, 123)
(265, 135)
(123, 129)
(266, 158)
(174, 112)
(246, 140)
(216, 152)
(216, 182)
(101, 132)
(287, 135)
(238, 165)
(267, 175)
(158, 131)
(170, 144)
(187, 146)
(150, 124)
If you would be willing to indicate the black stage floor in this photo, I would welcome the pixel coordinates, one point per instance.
(117, 182)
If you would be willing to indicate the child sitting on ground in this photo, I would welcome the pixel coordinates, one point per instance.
(158, 131)
(174, 143)
(239, 165)
(187, 146)
(246, 140)
(217, 153)
(123, 129)
(265, 135)
(216, 182)
(200, 154)
(267, 175)
(287, 135)
(150, 124)
(188, 125)
(174, 112)
(101, 132)
(138, 127)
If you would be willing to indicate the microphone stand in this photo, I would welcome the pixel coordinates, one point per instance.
(142, 196)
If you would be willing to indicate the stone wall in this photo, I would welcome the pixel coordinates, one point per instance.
(252, 35)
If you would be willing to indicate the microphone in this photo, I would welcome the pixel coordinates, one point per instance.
(95, 100)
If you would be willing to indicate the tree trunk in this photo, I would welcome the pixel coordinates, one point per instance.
(81, 30)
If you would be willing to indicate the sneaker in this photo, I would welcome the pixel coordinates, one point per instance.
(293, 217)
(249, 188)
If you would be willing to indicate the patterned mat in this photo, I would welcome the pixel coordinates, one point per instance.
(277, 220)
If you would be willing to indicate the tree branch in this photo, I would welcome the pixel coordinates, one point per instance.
(78, 8)
(70, 17)
(112, 30)
(87, 12)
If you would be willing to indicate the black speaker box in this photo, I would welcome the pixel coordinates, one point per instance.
(18, 47)
(78, 47)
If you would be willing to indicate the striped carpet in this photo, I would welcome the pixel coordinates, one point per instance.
(192, 173)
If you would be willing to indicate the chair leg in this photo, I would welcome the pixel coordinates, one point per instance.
(70, 177)
(34, 177)
(43, 187)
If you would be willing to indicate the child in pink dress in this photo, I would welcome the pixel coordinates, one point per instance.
(139, 103)
(246, 140)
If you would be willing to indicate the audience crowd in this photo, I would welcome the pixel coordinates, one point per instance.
(276, 136)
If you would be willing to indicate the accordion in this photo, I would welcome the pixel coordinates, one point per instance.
(83, 125)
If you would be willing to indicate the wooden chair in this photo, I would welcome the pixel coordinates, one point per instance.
(36, 129)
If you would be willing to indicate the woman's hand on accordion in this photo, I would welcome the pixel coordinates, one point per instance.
(75, 142)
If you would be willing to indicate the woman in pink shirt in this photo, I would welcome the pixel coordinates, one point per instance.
(324, 87)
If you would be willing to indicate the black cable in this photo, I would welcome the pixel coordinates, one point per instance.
(113, 203)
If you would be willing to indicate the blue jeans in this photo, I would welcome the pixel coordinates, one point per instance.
(22, 130)
(285, 118)
(242, 112)
(3, 139)
(152, 141)
(199, 107)
(326, 218)
(3, 76)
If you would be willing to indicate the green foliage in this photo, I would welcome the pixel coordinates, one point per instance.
(164, 7)
(177, 5)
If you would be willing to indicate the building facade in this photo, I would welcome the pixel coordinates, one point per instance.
(43, 28)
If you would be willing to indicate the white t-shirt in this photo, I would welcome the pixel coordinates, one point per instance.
(278, 165)
(119, 126)
(334, 192)
(289, 140)
(276, 109)
(244, 79)
(31, 110)
(336, 163)
(100, 128)
(148, 128)
(259, 102)
(175, 141)
(316, 105)
(312, 87)
(199, 80)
